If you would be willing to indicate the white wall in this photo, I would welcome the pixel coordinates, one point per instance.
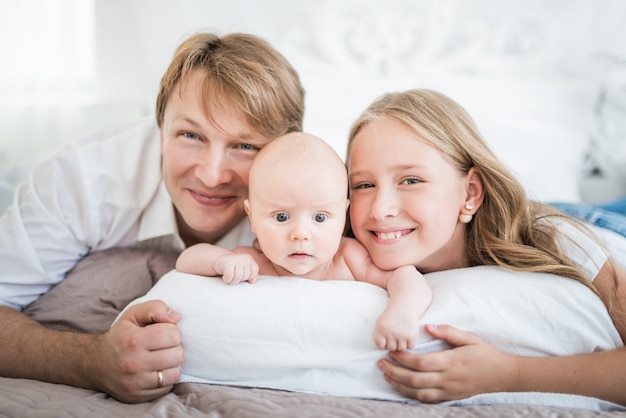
(520, 59)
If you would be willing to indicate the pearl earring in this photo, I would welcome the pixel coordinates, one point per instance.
(466, 218)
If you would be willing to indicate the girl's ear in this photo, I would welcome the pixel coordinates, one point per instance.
(474, 188)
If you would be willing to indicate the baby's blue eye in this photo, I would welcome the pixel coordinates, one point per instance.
(320, 217)
(281, 217)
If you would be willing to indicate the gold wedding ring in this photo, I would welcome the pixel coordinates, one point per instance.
(159, 379)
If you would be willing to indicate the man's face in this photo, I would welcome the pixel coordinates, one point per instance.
(205, 165)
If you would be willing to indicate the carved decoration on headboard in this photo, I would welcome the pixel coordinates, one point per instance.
(414, 36)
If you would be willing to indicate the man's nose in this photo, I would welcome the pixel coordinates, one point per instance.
(213, 168)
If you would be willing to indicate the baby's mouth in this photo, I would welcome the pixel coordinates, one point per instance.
(299, 255)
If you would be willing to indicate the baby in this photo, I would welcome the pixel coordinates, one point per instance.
(297, 206)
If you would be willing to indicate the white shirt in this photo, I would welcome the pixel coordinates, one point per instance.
(101, 192)
(589, 249)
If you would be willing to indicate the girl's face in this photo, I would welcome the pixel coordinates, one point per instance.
(406, 199)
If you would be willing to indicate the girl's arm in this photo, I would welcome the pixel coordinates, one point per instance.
(473, 366)
(613, 294)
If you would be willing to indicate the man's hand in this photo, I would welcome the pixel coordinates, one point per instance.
(124, 361)
(143, 345)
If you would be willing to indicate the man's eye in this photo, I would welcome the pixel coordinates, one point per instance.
(281, 217)
(248, 147)
(190, 135)
(320, 217)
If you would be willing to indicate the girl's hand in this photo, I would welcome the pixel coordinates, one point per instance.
(471, 367)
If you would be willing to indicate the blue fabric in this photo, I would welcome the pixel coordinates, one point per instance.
(610, 215)
(617, 206)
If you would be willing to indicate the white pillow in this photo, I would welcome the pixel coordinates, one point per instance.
(317, 336)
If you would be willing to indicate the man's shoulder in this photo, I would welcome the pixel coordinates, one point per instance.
(139, 130)
(114, 164)
(125, 151)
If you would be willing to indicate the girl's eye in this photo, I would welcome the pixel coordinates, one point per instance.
(362, 186)
(411, 180)
(320, 217)
(281, 217)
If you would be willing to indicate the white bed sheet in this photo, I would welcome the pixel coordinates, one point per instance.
(302, 335)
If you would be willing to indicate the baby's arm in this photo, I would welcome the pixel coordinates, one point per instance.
(210, 260)
(397, 326)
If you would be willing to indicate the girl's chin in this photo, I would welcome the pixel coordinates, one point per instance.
(385, 263)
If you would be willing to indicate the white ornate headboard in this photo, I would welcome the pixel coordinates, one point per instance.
(529, 72)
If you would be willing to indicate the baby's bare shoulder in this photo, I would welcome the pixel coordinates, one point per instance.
(354, 256)
(350, 248)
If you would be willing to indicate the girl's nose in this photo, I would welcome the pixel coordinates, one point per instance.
(384, 205)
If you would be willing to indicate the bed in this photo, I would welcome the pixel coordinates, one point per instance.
(103, 284)
(533, 89)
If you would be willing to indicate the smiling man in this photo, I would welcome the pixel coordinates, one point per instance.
(142, 185)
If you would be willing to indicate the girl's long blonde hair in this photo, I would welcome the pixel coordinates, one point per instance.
(507, 230)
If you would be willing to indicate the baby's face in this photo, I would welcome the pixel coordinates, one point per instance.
(298, 217)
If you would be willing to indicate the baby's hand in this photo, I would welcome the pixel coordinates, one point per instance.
(236, 267)
(396, 331)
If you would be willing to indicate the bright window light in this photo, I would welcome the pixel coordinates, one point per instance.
(48, 51)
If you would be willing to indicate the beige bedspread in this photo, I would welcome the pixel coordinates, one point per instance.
(27, 398)
(94, 289)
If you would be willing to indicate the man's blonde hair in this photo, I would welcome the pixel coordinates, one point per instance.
(242, 71)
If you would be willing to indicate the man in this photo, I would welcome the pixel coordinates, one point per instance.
(164, 186)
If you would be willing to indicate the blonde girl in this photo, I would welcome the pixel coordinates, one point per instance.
(426, 190)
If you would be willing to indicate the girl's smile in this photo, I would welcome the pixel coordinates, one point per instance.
(389, 236)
